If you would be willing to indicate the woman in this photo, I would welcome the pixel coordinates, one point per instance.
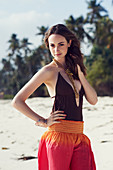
(63, 146)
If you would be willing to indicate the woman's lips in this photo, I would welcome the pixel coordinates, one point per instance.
(58, 54)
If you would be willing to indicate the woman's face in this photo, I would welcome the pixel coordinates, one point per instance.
(58, 46)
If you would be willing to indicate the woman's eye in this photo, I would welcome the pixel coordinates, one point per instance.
(61, 44)
(52, 45)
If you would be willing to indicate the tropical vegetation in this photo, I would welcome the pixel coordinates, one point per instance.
(95, 31)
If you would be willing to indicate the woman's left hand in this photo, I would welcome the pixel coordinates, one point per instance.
(90, 93)
(79, 71)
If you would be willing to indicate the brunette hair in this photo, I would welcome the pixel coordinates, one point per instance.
(74, 55)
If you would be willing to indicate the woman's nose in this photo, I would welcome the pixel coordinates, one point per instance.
(56, 49)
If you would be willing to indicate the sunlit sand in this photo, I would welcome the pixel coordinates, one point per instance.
(19, 137)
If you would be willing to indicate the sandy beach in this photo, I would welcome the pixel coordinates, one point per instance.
(19, 137)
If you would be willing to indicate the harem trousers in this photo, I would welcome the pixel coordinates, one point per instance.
(64, 147)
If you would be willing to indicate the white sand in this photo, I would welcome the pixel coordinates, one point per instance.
(19, 136)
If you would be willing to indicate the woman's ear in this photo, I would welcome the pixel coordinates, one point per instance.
(69, 44)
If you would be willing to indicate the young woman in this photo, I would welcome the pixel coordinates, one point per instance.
(63, 146)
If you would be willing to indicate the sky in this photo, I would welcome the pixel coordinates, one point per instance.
(22, 17)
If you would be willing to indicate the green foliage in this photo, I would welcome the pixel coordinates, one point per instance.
(96, 11)
(21, 63)
(100, 73)
(8, 96)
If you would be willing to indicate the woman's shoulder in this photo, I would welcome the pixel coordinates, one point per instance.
(47, 72)
(49, 68)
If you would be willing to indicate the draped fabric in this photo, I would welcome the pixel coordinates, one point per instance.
(61, 150)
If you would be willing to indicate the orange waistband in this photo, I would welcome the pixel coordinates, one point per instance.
(68, 126)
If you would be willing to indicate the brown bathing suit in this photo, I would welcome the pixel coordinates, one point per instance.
(65, 100)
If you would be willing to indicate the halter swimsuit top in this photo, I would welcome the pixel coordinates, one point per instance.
(65, 100)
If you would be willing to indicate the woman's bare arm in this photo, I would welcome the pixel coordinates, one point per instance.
(90, 93)
(19, 100)
(43, 76)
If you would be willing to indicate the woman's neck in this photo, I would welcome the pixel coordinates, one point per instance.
(61, 61)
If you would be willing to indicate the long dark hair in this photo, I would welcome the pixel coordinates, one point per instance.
(74, 55)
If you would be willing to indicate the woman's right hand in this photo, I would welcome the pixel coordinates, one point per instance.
(55, 117)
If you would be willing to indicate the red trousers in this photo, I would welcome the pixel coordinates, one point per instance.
(65, 147)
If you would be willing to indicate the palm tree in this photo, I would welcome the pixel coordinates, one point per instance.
(7, 66)
(7, 73)
(94, 18)
(71, 22)
(14, 44)
(25, 46)
(77, 26)
(42, 31)
(95, 11)
(46, 53)
(104, 33)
